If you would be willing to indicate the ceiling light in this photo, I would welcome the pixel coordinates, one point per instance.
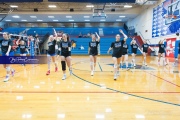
(50, 16)
(8, 20)
(52, 6)
(33, 16)
(15, 16)
(23, 20)
(13, 6)
(86, 16)
(86, 20)
(118, 20)
(91, 6)
(68, 16)
(102, 20)
(71, 20)
(122, 16)
(127, 6)
(55, 20)
(39, 20)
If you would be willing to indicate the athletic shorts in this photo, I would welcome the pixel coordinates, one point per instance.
(54, 54)
(124, 53)
(161, 52)
(66, 54)
(10, 53)
(117, 55)
(134, 51)
(145, 51)
(93, 54)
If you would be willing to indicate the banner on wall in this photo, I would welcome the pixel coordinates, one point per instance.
(170, 47)
(161, 26)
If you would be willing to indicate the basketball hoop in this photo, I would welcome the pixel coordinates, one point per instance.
(170, 18)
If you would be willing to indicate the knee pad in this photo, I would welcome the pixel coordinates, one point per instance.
(8, 69)
(63, 64)
(115, 65)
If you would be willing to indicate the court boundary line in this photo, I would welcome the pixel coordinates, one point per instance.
(100, 67)
(137, 96)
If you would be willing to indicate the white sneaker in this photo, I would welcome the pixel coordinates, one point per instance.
(115, 77)
(6, 79)
(92, 73)
(134, 65)
(70, 71)
(64, 77)
(145, 64)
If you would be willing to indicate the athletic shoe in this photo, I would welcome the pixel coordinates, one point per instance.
(92, 73)
(56, 69)
(70, 71)
(145, 64)
(12, 72)
(48, 72)
(134, 65)
(6, 78)
(115, 77)
(64, 77)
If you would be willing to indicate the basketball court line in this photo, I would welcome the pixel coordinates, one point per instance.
(100, 67)
(146, 98)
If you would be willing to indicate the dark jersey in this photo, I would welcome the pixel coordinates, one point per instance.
(5, 45)
(93, 47)
(51, 47)
(125, 48)
(117, 47)
(22, 48)
(64, 47)
(145, 47)
(134, 47)
(161, 48)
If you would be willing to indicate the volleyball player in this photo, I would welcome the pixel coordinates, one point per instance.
(161, 52)
(23, 47)
(145, 47)
(117, 52)
(51, 52)
(134, 48)
(93, 51)
(124, 58)
(65, 48)
(6, 48)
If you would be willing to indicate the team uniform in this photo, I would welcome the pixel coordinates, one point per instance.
(134, 48)
(125, 49)
(117, 48)
(161, 48)
(51, 48)
(145, 48)
(93, 48)
(22, 49)
(65, 49)
(4, 47)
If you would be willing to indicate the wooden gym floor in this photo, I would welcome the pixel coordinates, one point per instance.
(151, 93)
